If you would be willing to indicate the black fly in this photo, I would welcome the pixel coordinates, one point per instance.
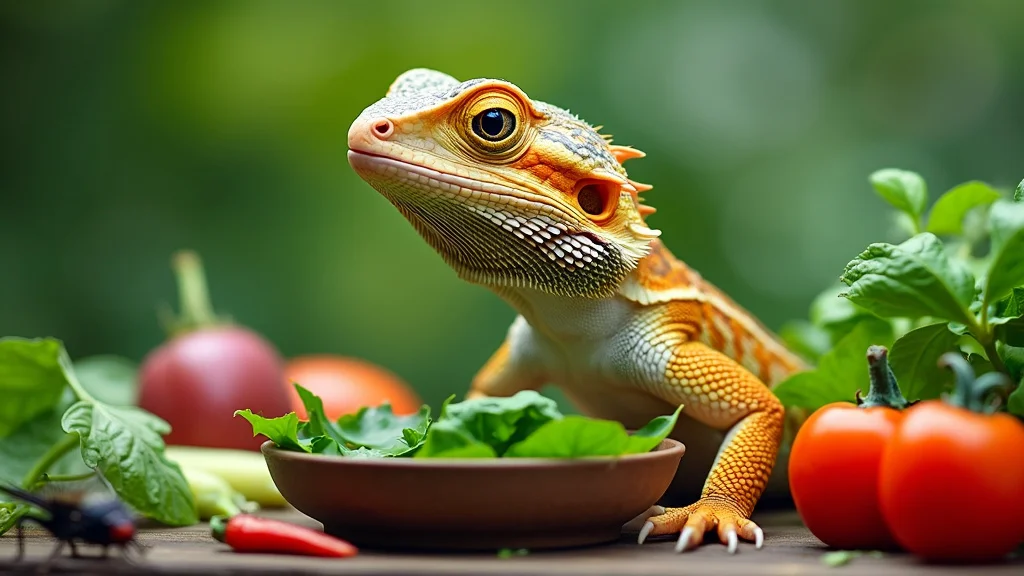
(106, 522)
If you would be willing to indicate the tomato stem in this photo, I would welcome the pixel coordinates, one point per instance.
(884, 390)
(971, 393)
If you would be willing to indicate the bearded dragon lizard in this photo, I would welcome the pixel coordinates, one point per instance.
(530, 201)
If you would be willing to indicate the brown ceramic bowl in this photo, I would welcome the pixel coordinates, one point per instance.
(474, 504)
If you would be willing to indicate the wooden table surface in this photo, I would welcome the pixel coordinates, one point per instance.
(789, 549)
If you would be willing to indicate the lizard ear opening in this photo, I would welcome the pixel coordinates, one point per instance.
(597, 198)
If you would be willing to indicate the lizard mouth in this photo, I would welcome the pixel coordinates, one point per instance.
(376, 167)
(495, 234)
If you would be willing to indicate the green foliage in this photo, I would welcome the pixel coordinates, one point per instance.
(915, 358)
(906, 191)
(526, 425)
(947, 215)
(841, 372)
(31, 380)
(911, 280)
(933, 295)
(58, 414)
(126, 445)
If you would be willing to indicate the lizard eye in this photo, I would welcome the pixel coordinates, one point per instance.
(494, 124)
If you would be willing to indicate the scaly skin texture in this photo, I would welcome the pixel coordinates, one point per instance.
(528, 200)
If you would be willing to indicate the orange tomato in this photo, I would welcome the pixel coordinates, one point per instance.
(347, 384)
(952, 483)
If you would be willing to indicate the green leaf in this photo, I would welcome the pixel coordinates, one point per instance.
(319, 424)
(319, 444)
(10, 512)
(1006, 221)
(283, 430)
(378, 428)
(125, 444)
(914, 359)
(578, 436)
(500, 422)
(648, 437)
(449, 439)
(31, 380)
(1018, 194)
(947, 215)
(1012, 306)
(573, 437)
(842, 371)
(904, 190)
(20, 451)
(913, 279)
(110, 379)
(805, 339)
(1015, 403)
(1011, 331)
(1013, 358)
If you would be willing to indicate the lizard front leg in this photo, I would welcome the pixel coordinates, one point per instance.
(717, 391)
(513, 367)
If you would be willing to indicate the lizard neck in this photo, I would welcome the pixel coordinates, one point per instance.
(565, 318)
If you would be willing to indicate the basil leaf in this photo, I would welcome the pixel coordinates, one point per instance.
(31, 380)
(109, 379)
(319, 424)
(20, 451)
(904, 190)
(1013, 358)
(449, 439)
(283, 430)
(578, 437)
(573, 437)
(913, 279)
(840, 373)
(648, 437)
(125, 444)
(378, 428)
(1006, 220)
(1015, 403)
(947, 215)
(914, 360)
(805, 339)
(501, 422)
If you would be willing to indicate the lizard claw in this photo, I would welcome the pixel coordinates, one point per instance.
(694, 521)
(685, 538)
(648, 526)
(641, 520)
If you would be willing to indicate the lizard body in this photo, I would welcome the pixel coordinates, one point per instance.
(532, 202)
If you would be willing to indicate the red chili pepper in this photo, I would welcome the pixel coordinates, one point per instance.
(246, 533)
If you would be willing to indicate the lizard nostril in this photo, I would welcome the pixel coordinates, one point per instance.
(383, 128)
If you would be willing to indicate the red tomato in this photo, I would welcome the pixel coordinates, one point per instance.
(833, 474)
(347, 384)
(952, 483)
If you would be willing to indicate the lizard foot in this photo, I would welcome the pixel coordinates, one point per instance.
(695, 520)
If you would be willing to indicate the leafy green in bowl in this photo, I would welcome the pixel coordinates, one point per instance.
(526, 425)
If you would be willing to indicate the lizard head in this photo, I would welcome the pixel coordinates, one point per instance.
(510, 191)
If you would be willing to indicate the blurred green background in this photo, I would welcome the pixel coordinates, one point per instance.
(133, 129)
